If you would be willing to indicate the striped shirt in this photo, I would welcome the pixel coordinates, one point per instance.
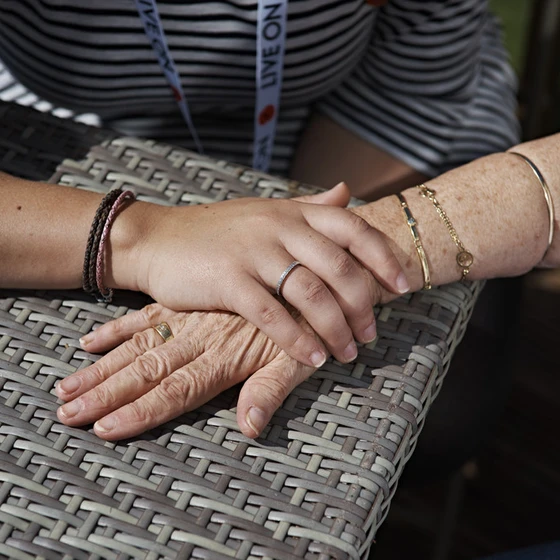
(426, 81)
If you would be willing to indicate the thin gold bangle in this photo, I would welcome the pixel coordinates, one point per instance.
(547, 197)
(412, 223)
(464, 258)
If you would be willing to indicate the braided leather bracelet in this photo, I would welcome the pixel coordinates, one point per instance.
(92, 273)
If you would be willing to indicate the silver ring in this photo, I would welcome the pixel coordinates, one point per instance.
(282, 278)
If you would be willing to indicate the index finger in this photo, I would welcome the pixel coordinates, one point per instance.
(105, 391)
(185, 389)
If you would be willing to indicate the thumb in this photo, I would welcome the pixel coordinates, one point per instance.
(339, 195)
(266, 390)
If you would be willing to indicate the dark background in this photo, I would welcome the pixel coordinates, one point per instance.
(507, 494)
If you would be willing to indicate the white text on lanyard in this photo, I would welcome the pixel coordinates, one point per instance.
(271, 42)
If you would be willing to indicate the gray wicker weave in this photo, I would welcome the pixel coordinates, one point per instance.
(317, 485)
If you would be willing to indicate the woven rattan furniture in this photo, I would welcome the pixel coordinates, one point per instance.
(316, 485)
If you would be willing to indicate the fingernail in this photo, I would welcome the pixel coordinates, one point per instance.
(318, 358)
(70, 409)
(350, 352)
(370, 333)
(70, 384)
(85, 340)
(256, 419)
(402, 283)
(105, 424)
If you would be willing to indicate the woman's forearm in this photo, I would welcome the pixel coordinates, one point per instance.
(208, 257)
(43, 235)
(497, 208)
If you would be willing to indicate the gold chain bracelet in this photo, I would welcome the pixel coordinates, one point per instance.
(417, 241)
(464, 258)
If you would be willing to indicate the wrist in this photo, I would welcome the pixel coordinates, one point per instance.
(386, 216)
(125, 269)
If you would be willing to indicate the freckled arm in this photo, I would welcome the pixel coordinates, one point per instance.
(497, 207)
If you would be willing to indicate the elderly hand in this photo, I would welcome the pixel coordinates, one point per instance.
(231, 255)
(146, 382)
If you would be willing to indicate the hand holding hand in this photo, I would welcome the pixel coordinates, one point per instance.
(145, 381)
(230, 255)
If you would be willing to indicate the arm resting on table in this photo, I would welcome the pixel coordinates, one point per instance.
(43, 235)
(208, 257)
(497, 208)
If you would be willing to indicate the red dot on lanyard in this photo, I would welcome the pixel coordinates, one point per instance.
(176, 94)
(266, 114)
(376, 2)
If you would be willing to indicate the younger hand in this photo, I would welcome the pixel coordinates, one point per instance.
(230, 255)
(145, 382)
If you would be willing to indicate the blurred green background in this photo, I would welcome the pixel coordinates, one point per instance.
(515, 16)
(534, 26)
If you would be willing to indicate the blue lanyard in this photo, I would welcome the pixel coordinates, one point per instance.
(271, 43)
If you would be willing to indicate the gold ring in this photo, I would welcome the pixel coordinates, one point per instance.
(164, 330)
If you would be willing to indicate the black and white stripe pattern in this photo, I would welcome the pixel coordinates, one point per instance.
(427, 81)
(12, 91)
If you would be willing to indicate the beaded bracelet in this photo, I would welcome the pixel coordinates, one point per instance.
(412, 223)
(92, 275)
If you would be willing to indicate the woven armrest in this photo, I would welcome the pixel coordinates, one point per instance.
(316, 485)
(32, 143)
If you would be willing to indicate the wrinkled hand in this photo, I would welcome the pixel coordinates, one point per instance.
(230, 255)
(145, 382)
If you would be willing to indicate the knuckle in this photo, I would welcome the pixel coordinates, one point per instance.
(114, 328)
(315, 292)
(359, 224)
(105, 397)
(272, 315)
(140, 342)
(175, 390)
(267, 218)
(97, 373)
(150, 368)
(343, 265)
(151, 313)
(274, 389)
(273, 392)
(297, 343)
(297, 339)
(142, 411)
